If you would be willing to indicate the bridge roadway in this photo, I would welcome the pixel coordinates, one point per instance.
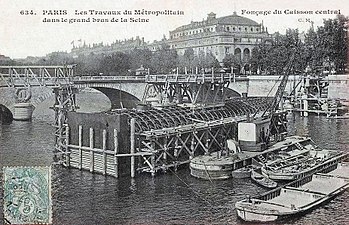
(34, 81)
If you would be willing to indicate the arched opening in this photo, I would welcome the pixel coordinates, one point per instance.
(6, 116)
(230, 93)
(92, 101)
(247, 53)
(237, 53)
(119, 99)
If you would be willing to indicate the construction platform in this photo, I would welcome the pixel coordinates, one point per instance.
(151, 140)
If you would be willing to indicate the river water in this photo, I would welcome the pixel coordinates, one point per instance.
(80, 197)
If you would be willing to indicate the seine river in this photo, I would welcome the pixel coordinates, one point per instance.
(80, 197)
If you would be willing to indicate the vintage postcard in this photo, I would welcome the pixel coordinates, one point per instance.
(174, 112)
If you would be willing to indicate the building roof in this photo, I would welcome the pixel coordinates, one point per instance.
(233, 19)
(236, 20)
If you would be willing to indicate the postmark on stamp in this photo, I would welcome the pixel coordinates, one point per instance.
(27, 195)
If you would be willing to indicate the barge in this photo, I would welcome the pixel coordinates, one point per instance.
(295, 198)
(310, 162)
(218, 166)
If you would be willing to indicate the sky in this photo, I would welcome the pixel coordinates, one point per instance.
(27, 35)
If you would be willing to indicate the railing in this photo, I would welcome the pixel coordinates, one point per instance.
(42, 79)
(37, 75)
(109, 78)
(192, 78)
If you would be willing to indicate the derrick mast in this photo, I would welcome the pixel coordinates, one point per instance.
(268, 126)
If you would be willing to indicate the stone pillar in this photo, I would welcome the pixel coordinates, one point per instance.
(23, 109)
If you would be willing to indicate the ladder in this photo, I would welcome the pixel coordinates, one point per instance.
(261, 158)
(299, 146)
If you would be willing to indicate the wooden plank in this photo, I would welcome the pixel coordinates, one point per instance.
(104, 146)
(91, 152)
(67, 156)
(116, 149)
(80, 144)
(132, 149)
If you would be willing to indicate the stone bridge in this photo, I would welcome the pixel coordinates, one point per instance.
(123, 91)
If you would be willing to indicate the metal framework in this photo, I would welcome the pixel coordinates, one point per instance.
(196, 89)
(64, 102)
(25, 76)
(171, 136)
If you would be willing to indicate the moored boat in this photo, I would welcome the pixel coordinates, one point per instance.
(262, 180)
(212, 167)
(244, 172)
(219, 166)
(313, 161)
(295, 198)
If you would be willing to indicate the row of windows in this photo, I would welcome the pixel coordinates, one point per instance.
(212, 29)
(214, 40)
(246, 53)
(186, 33)
(231, 28)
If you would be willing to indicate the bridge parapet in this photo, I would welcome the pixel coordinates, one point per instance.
(106, 79)
(193, 78)
(162, 78)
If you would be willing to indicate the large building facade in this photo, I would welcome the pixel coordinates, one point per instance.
(232, 34)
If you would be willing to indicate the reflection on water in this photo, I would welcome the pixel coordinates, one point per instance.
(80, 197)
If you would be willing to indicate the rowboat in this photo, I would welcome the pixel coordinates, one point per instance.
(295, 198)
(244, 172)
(262, 180)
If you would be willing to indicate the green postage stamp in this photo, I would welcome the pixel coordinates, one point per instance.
(27, 195)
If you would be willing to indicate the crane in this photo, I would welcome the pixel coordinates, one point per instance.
(269, 112)
(267, 124)
(279, 93)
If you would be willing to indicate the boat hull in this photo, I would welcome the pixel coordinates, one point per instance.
(241, 174)
(211, 172)
(255, 217)
(289, 201)
(326, 166)
(262, 180)
(251, 216)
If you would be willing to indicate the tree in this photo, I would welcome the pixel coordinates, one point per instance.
(203, 60)
(88, 64)
(115, 64)
(186, 60)
(211, 61)
(272, 58)
(231, 61)
(58, 58)
(256, 57)
(140, 57)
(164, 60)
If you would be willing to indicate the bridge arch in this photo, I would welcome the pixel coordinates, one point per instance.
(6, 115)
(121, 95)
(230, 93)
(119, 98)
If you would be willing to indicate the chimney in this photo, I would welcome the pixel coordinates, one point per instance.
(211, 16)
